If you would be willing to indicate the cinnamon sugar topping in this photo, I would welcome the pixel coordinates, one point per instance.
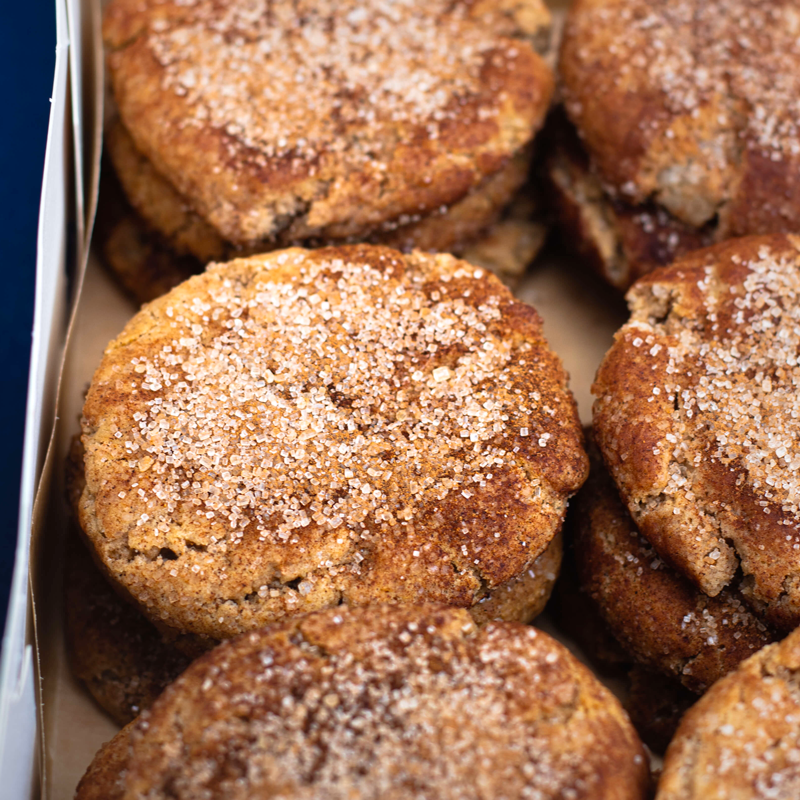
(694, 53)
(282, 404)
(332, 65)
(391, 702)
(286, 425)
(745, 371)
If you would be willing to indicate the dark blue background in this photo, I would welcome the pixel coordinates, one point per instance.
(27, 59)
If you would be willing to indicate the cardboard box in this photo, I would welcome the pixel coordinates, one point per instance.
(49, 726)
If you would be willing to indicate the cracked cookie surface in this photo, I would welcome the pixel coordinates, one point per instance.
(696, 414)
(655, 613)
(325, 120)
(691, 105)
(347, 425)
(387, 702)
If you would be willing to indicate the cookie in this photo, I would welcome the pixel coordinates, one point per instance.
(741, 740)
(688, 134)
(325, 120)
(387, 702)
(620, 241)
(695, 416)
(306, 428)
(656, 614)
(691, 106)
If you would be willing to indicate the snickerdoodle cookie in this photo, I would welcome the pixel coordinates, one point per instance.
(306, 428)
(387, 702)
(655, 613)
(690, 106)
(741, 741)
(296, 121)
(696, 414)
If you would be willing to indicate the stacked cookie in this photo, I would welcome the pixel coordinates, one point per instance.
(303, 429)
(690, 548)
(325, 431)
(241, 131)
(688, 116)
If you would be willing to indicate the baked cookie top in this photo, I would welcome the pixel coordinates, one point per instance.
(303, 428)
(697, 417)
(655, 613)
(389, 702)
(692, 104)
(325, 119)
(741, 739)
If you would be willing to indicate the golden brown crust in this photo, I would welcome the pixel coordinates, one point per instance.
(621, 242)
(705, 370)
(691, 105)
(741, 740)
(105, 777)
(387, 702)
(657, 615)
(333, 134)
(401, 432)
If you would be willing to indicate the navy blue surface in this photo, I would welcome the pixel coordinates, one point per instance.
(27, 59)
